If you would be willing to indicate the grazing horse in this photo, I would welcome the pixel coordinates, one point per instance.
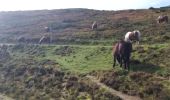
(94, 25)
(162, 19)
(44, 39)
(130, 36)
(47, 29)
(21, 39)
(122, 52)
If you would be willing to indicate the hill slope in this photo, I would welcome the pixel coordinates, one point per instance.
(74, 25)
(30, 71)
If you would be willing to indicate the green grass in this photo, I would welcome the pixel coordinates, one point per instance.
(88, 50)
(83, 59)
(86, 58)
(142, 78)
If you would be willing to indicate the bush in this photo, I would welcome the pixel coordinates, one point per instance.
(151, 8)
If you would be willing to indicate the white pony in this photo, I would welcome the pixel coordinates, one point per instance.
(45, 39)
(130, 36)
(94, 25)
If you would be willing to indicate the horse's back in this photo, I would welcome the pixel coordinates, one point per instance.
(119, 47)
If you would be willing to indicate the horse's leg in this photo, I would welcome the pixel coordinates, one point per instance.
(114, 58)
(128, 63)
(120, 61)
(166, 20)
(124, 61)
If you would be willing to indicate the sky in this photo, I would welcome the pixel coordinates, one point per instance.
(14, 5)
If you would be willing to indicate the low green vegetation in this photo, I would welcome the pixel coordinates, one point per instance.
(27, 70)
(147, 78)
(86, 58)
(76, 58)
(142, 84)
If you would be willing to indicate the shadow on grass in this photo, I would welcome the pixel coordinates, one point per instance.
(145, 67)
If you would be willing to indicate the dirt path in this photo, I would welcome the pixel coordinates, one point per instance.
(3, 97)
(114, 92)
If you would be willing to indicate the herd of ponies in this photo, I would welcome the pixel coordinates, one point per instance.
(121, 50)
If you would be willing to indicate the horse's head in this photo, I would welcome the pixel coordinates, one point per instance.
(136, 34)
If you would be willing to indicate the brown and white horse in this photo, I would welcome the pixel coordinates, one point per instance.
(122, 52)
(130, 36)
(162, 19)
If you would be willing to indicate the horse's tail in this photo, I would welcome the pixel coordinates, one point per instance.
(114, 51)
(115, 54)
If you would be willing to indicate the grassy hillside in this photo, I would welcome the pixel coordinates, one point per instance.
(74, 25)
(30, 71)
(31, 68)
(84, 58)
